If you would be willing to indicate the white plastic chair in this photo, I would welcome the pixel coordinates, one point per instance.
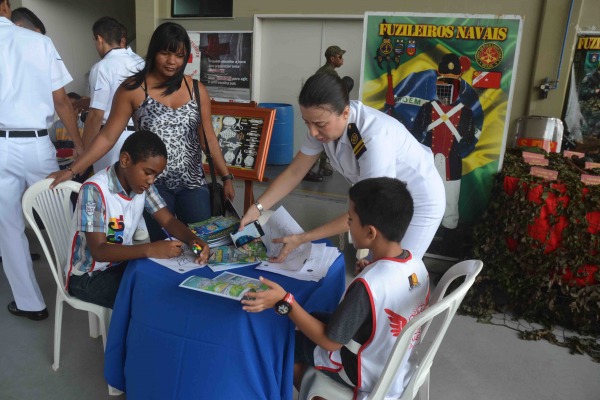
(54, 208)
(315, 383)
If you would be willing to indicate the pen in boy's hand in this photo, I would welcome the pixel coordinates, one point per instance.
(167, 233)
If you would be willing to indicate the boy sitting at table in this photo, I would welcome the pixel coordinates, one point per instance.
(377, 304)
(109, 207)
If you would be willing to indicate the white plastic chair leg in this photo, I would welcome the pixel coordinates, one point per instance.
(94, 325)
(114, 391)
(104, 321)
(58, 312)
(424, 389)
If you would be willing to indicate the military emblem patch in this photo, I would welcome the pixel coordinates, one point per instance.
(358, 145)
(411, 49)
(90, 207)
(489, 55)
(413, 281)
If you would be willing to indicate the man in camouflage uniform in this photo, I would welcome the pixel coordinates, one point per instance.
(334, 57)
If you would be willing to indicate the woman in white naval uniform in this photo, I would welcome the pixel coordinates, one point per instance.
(361, 143)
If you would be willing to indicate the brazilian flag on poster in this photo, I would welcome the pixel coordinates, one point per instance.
(432, 70)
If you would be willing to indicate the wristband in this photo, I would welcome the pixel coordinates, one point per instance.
(260, 208)
(73, 174)
(226, 178)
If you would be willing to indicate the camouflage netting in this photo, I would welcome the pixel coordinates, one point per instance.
(540, 244)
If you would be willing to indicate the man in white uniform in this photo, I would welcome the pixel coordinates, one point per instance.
(31, 89)
(117, 64)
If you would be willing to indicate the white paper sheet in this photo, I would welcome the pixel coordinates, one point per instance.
(308, 262)
(181, 264)
(279, 225)
(314, 268)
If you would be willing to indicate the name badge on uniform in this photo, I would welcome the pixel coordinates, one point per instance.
(358, 145)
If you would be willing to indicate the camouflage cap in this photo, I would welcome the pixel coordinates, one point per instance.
(334, 51)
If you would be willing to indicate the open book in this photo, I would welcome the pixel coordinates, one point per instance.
(232, 286)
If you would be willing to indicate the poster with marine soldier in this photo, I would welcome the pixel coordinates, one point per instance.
(449, 79)
(587, 81)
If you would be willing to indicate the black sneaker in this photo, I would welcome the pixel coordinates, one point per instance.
(313, 177)
(326, 171)
(33, 315)
(325, 167)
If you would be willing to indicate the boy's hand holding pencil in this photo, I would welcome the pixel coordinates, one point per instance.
(165, 249)
(198, 246)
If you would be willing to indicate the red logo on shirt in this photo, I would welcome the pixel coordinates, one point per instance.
(397, 322)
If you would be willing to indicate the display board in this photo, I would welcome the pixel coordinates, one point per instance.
(587, 82)
(449, 78)
(224, 63)
(192, 68)
(244, 135)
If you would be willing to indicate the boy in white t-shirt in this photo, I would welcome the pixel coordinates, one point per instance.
(353, 343)
(109, 207)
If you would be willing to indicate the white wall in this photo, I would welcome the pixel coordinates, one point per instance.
(69, 24)
(285, 62)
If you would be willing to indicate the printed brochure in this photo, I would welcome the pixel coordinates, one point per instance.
(232, 286)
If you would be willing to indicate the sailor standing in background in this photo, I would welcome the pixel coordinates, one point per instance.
(32, 80)
(116, 64)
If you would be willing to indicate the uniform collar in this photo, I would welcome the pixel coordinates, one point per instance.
(404, 257)
(114, 185)
(351, 120)
(113, 52)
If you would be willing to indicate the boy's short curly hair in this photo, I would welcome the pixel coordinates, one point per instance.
(384, 203)
(144, 144)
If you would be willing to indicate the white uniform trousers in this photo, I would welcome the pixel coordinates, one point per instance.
(23, 161)
(421, 230)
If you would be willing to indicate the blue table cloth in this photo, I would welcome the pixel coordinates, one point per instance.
(167, 342)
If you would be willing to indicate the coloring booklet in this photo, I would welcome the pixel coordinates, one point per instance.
(232, 286)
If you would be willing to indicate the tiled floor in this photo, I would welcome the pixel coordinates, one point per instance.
(475, 361)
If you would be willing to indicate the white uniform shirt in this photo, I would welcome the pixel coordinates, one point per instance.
(106, 76)
(30, 70)
(391, 151)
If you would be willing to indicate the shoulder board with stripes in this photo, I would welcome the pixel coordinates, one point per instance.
(358, 145)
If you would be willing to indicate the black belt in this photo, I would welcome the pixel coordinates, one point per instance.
(130, 128)
(23, 134)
